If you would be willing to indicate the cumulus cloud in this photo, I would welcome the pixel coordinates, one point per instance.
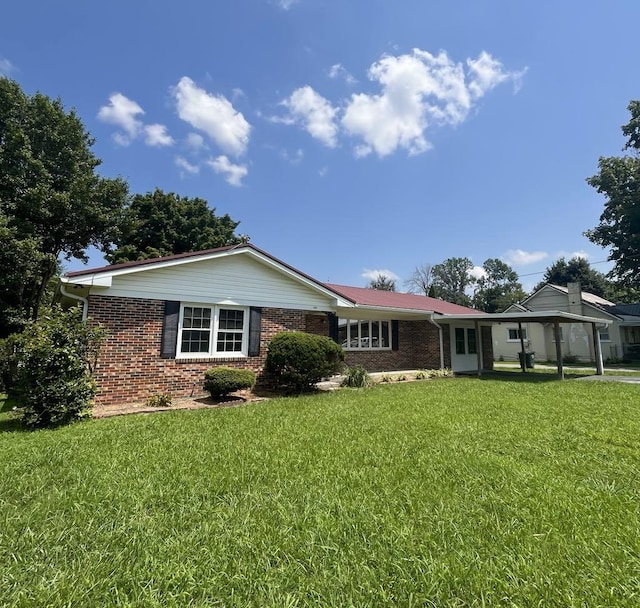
(418, 91)
(212, 114)
(478, 272)
(186, 166)
(314, 113)
(6, 67)
(519, 257)
(156, 135)
(232, 173)
(373, 274)
(122, 112)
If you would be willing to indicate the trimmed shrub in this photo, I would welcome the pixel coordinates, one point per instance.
(357, 377)
(220, 381)
(52, 363)
(298, 360)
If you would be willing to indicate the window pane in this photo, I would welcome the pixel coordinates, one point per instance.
(231, 319)
(375, 334)
(385, 334)
(229, 342)
(471, 341)
(195, 341)
(460, 350)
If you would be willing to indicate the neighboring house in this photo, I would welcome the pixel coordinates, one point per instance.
(169, 319)
(619, 338)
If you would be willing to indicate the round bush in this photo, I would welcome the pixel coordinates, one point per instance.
(298, 360)
(220, 381)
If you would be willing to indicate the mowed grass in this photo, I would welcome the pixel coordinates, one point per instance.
(454, 492)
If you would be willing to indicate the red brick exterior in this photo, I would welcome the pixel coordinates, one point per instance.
(130, 367)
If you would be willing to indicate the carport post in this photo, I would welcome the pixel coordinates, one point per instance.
(479, 348)
(597, 349)
(556, 333)
(523, 359)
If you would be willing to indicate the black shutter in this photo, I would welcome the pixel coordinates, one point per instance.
(333, 326)
(170, 329)
(394, 335)
(255, 322)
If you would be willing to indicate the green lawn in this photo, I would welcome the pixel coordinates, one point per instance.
(455, 492)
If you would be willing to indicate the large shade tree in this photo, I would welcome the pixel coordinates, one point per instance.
(498, 288)
(156, 224)
(577, 270)
(618, 179)
(53, 203)
(451, 280)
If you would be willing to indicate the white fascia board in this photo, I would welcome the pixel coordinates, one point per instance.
(526, 317)
(354, 310)
(92, 280)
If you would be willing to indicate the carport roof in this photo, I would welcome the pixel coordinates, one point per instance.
(547, 316)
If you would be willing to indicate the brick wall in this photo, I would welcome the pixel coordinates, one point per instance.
(130, 367)
(418, 348)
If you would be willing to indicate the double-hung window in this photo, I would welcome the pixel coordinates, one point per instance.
(466, 341)
(212, 331)
(514, 334)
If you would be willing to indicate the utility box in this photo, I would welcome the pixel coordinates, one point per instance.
(527, 359)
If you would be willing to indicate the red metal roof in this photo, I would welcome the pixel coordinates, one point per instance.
(391, 299)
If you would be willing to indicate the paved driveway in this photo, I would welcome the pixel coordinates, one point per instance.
(628, 379)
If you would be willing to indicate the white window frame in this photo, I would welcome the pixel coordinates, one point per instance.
(212, 353)
(467, 350)
(605, 331)
(524, 334)
(362, 340)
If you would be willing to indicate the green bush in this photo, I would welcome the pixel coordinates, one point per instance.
(159, 400)
(52, 363)
(357, 377)
(298, 360)
(220, 381)
(569, 359)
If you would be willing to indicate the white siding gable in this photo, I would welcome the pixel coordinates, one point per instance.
(239, 280)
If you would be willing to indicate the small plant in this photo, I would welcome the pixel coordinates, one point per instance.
(357, 377)
(385, 378)
(421, 375)
(220, 381)
(298, 360)
(569, 359)
(401, 378)
(159, 400)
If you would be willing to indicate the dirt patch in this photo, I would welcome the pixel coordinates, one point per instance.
(180, 403)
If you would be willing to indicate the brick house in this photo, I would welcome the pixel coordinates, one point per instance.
(169, 319)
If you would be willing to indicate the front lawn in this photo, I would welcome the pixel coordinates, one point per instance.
(455, 492)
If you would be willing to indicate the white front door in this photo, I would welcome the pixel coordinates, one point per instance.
(465, 343)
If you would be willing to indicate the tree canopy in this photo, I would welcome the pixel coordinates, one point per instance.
(382, 283)
(618, 179)
(421, 280)
(498, 288)
(576, 270)
(53, 204)
(156, 224)
(451, 279)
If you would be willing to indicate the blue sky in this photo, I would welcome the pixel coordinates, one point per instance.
(351, 137)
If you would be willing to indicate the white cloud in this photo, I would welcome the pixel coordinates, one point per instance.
(186, 166)
(323, 171)
(572, 254)
(418, 92)
(122, 112)
(372, 274)
(295, 157)
(314, 113)
(519, 257)
(156, 135)
(233, 174)
(212, 114)
(478, 272)
(6, 67)
(337, 70)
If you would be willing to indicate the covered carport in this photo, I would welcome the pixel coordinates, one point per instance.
(555, 317)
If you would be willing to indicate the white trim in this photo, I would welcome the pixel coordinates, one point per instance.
(213, 333)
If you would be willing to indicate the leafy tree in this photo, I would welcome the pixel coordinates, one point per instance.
(578, 270)
(498, 288)
(52, 202)
(619, 228)
(382, 283)
(421, 280)
(156, 224)
(451, 279)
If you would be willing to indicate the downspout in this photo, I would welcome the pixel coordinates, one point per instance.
(430, 319)
(73, 296)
